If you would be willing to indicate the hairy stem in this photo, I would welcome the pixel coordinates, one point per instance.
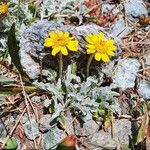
(88, 64)
(60, 64)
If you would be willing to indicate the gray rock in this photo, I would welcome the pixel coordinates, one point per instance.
(147, 59)
(107, 7)
(25, 118)
(103, 140)
(125, 73)
(45, 123)
(122, 131)
(108, 68)
(19, 147)
(134, 9)
(2, 99)
(120, 28)
(32, 51)
(144, 89)
(31, 129)
(53, 137)
(88, 128)
(3, 130)
(36, 99)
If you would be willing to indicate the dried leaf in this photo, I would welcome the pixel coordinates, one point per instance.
(144, 20)
(69, 143)
(141, 132)
(148, 137)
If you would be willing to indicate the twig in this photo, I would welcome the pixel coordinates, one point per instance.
(144, 69)
(26, 102)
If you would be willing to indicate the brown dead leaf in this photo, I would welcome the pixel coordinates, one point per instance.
(94, 7)
(144, 20)
(69, 143)
(142, 130)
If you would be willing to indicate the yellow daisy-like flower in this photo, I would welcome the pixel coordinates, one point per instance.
(3, 8)
(100, 47)
(61, 42)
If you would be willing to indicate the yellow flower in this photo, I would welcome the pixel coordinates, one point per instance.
(101, 48)
(3, 8)
(61, 42)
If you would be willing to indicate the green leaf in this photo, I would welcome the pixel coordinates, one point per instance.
(11, 144)
(105, 115)
(7, 92)
(13, 49)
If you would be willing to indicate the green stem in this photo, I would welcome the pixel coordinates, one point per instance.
(88, 64)
(60, 64)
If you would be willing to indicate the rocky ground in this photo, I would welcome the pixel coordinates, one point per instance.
(109, 110)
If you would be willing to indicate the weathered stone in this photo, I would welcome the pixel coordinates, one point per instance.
(36, 99)
(125, 73)
(103, 140)
(53, 137)
(144, 89)
(3, 130)
(134, 9)
(45, 123)
(88, 128)
(31, 129)
(120, 28)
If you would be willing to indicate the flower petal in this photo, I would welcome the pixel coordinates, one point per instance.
(73, 45)
(60, 33)
(66, 34)
(98, 56)
(56, 50)
(48, 42)
(101, 35)
(105, 57)
(53, 35)
(110, 53)
(89, 40)
(71, 38)
(112, 48)
(94, 38)
(110, 42)
(64, 50)
(90, 51)
(90, 46)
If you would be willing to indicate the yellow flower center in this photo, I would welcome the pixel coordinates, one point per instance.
(100, 47)
(61, 41)
(3, 8)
